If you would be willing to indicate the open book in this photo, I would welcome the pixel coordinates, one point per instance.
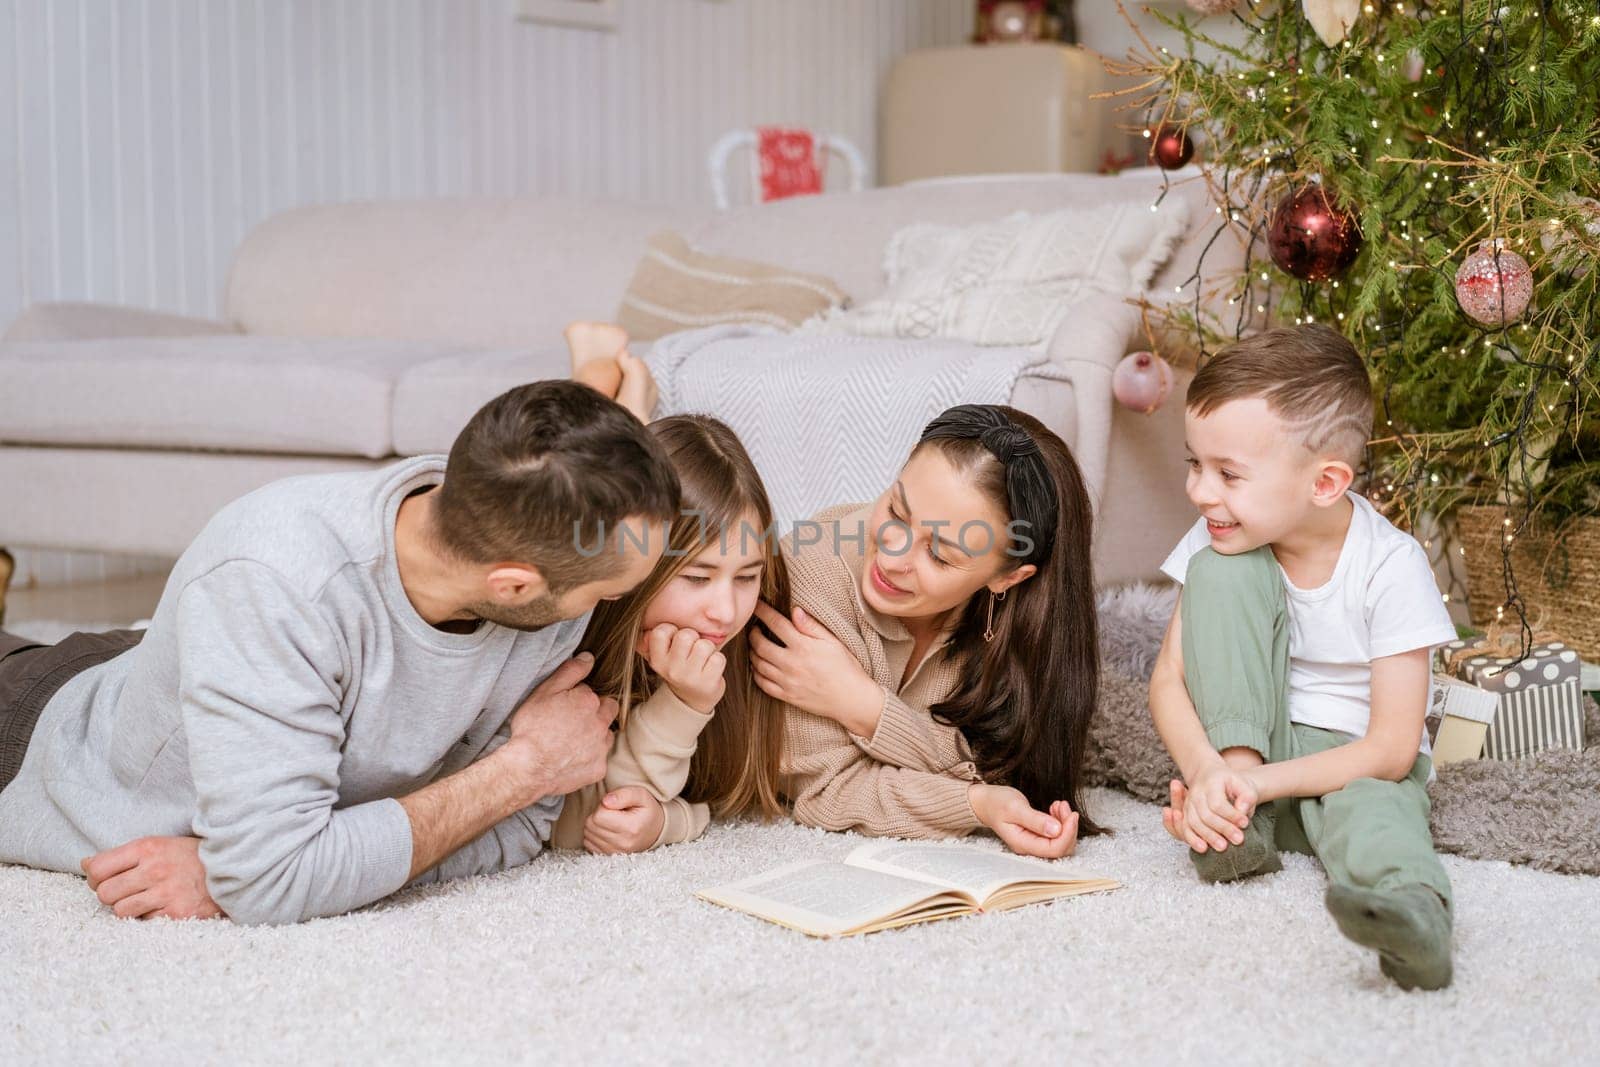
(896, 883)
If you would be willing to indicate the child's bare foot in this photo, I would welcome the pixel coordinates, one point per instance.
(638, 392)
(595, 347)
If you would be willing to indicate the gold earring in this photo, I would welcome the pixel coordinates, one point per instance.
(988, 625)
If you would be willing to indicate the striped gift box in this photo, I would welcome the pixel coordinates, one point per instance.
(1536, 719)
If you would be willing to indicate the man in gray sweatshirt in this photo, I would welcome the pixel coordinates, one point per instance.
(352, 682)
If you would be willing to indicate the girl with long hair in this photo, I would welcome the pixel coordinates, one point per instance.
(696, 737)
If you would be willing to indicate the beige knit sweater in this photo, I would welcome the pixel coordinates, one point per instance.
(910, 778)
(653, 750)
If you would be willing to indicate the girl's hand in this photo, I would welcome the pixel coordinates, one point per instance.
(1047, 835)
(689, 664)
(813, 671)
(628, 819)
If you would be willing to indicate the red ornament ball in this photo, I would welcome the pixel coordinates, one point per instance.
(1141, 382)
(1170, 148)
(1494, 285)
(1311, 238)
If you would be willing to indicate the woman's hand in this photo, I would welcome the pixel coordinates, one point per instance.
(153, 876)
(628, 819)
(1047, 835)
(689, 664)
(813, 671)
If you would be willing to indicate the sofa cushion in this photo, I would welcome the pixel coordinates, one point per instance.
(489, 273)
(434, 400)
(678, 287)
(85, 322)
(245, 394)
(134, 500)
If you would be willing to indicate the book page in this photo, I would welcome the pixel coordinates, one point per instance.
(822, 896)
(978, 874)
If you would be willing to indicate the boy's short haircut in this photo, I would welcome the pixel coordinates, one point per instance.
(1311, 377)
(542, 473)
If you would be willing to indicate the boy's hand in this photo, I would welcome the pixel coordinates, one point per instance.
(1217, 808)
(1172, 814)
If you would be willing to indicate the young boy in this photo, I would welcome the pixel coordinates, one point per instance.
(1293, 681)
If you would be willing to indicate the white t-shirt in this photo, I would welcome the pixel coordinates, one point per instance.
(1381, 600)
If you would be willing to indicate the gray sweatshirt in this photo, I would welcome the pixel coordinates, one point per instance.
(285, 694)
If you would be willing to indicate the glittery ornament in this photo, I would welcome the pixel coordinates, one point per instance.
(1170, 147)
(1311, 238)
(1494, 285)
(1212, 7)
(1413, 66)
(1141, 382)
(1557, 236)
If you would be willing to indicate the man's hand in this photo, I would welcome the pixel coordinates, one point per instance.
(689, 664)
(561, 735)
(628, 820)
(1217, 808)
(153, 876)
(813, 671)
(1047, 835)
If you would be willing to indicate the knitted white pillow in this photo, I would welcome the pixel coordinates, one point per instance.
(1011, 281)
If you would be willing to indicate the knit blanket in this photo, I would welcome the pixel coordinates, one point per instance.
(829, 419)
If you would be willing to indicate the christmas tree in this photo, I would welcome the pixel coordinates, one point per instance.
(1420, 176)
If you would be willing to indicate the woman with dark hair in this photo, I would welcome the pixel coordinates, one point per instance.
(941, 664)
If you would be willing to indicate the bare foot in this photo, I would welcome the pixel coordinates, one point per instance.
(595, 347)
(638, 392)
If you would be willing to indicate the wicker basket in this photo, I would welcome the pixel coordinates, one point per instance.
(1557, 572)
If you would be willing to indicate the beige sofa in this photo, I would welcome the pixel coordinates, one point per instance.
(356, 333)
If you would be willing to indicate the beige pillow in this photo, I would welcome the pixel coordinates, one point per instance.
(676, 287)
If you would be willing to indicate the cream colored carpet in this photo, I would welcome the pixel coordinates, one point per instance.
(586, 959)
(580, 959)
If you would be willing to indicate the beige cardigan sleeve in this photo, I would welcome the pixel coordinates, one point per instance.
(835, 785)
(653, 751)
(909, 737)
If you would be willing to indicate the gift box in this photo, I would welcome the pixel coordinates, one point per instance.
(1459, 715)
(1539, 695)
(1535, 719)
(1486, 666)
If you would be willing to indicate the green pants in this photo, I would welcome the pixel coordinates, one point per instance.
(1372, 833)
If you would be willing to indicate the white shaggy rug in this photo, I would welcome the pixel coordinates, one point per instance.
(596, 960)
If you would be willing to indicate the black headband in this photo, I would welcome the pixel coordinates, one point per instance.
(1030, 490)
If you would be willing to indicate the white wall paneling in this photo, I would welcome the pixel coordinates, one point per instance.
(143, 138)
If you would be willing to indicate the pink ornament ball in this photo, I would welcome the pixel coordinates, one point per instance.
(1494, 285)
(1141, 382)
(1212, 7)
